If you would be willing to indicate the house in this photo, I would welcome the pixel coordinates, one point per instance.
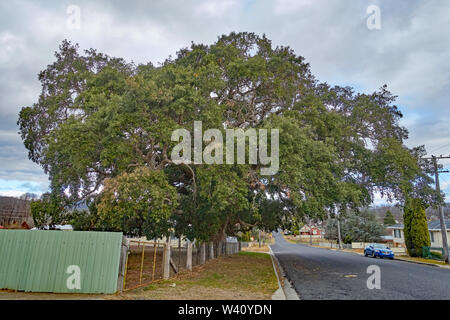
(15, 213)
(315, 232)
(434, 228)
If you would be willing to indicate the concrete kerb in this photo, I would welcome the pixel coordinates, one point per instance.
(425, 263)
(279, 294)
(287, 291)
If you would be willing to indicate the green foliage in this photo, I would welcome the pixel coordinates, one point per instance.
(48, 211)
(347, 239)
(331, 230)
(138, 203)
(436, 255)
(245, 236)
(356, 227)
(415, 227)
(389, 218)
(84, 220)
(101, 129)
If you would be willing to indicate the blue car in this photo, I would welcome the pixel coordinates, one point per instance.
(378, 250)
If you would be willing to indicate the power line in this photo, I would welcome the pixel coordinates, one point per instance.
(448, 144)
(446, 181)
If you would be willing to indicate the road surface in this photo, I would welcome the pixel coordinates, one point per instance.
(318, 274)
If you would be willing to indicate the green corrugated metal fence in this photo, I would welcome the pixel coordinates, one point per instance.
(38, 261)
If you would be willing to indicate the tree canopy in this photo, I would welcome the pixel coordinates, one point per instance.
(101, 129)
(361, 227)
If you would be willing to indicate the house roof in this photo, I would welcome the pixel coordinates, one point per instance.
(432, 225)
(395, 226)
(436, 225)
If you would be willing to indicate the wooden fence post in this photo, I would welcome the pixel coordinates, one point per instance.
(189, 255)
(155, 249)
(211, 250)
(203, 253)
(122, 263)
(166, 260)
(142, 262)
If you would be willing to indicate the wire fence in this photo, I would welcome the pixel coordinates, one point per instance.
(145, 260)
(144, 263)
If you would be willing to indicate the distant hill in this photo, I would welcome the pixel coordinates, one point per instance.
(397, 212)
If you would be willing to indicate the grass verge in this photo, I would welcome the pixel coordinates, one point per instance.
(431, 261)
(246, 275)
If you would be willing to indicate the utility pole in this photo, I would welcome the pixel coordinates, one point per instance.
(337, 214)
(440, 209)
(310, 233)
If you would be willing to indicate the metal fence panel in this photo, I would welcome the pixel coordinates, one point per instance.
(37, 261)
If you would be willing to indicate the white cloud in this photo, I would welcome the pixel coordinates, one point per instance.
(379, 201)
(214, 8)
(12, 193)
(10, 46)
(284, 7)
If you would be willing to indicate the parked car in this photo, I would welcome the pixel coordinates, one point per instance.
(378, 250)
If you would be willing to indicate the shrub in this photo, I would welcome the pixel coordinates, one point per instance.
(245, 237)
(436, 255)
(348, 239)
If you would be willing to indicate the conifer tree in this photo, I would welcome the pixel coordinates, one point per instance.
(415, 227)
(389, 218)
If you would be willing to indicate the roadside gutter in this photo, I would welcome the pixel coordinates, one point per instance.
(286, 290)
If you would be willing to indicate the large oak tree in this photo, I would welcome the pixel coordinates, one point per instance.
(101, 129)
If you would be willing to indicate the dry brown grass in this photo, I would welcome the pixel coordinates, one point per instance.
(247, 275)
(431, 261)
(264, 248)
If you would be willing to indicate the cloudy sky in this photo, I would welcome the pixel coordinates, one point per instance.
(410, 53)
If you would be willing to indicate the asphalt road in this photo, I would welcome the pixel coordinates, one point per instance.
(319, 274)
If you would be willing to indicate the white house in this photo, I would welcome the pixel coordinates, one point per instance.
(434, 227)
